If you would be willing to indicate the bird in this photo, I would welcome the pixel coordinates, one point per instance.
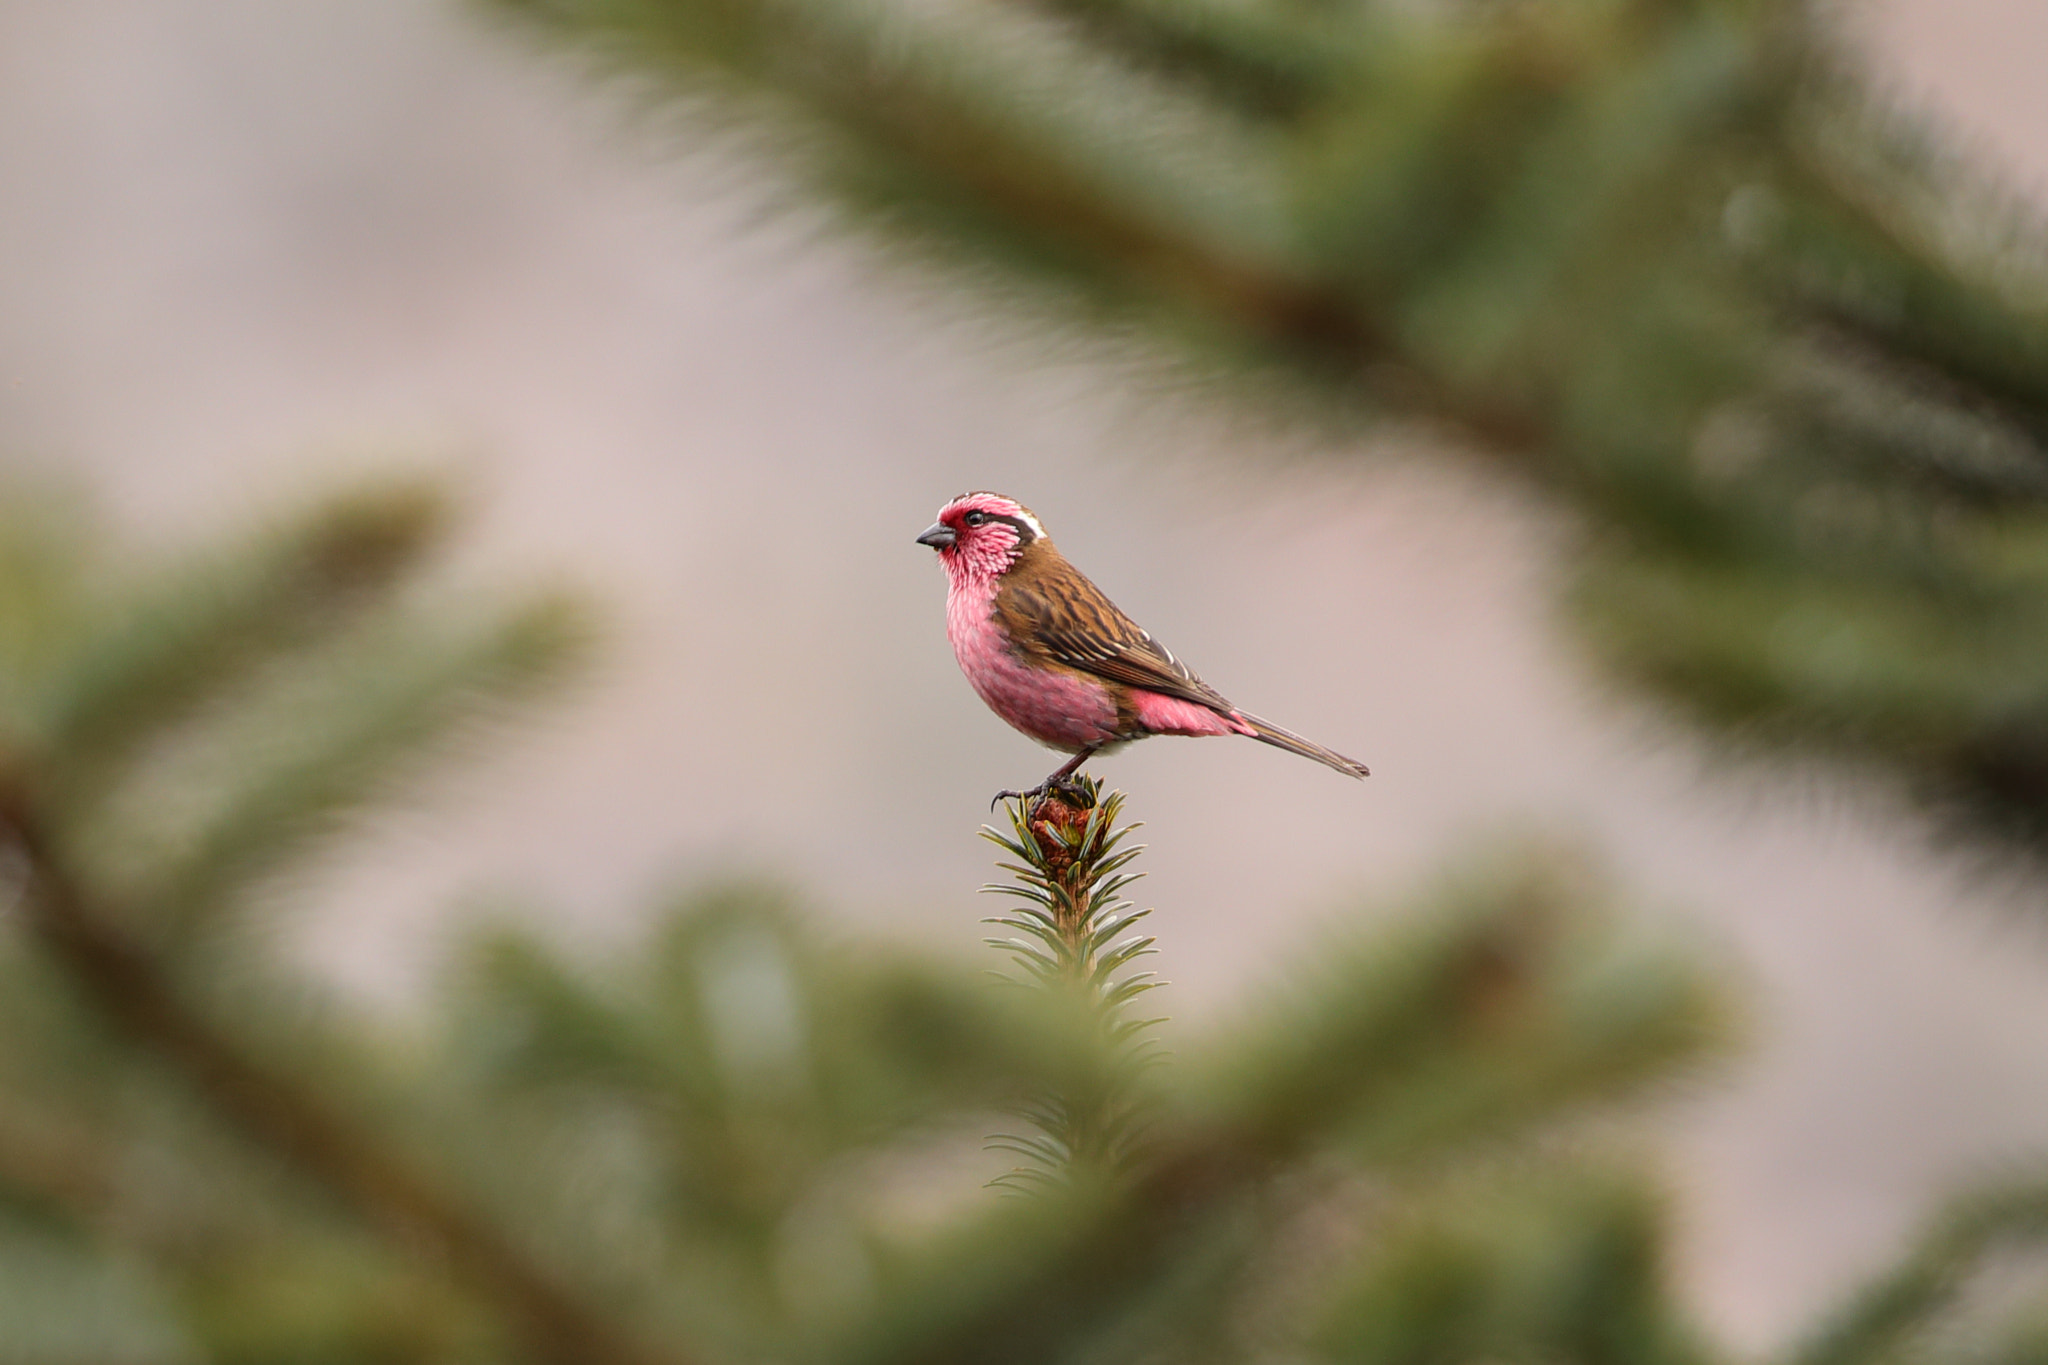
(1052, 655)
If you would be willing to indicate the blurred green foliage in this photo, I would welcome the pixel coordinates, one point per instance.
(1666, 258)
(738, 1140)
(1783, 358)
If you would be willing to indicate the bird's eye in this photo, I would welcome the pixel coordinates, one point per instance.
(975, 518)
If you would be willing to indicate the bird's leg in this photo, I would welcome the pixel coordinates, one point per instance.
(1057, 780)
(1069, 785)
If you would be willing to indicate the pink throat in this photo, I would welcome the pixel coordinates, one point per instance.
(970, 606)
(979, 559)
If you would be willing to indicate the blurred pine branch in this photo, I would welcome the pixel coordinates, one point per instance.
(167, 669)
(1673, 260)
(740, 1140)
(709, 1149)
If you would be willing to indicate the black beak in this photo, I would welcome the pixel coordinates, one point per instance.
(939, 536)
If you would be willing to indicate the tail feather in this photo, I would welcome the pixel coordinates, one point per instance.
(1272, 734)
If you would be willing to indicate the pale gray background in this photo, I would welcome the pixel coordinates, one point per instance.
(247, 245)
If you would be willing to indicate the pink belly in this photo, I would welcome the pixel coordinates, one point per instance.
(1056, 707)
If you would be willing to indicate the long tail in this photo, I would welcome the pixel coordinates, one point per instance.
(1294, 744)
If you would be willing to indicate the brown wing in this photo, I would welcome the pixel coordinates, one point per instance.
(1052, 610)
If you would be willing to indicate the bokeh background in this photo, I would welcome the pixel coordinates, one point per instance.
(251, 246)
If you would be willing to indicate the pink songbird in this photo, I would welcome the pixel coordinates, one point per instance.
(1056, 659)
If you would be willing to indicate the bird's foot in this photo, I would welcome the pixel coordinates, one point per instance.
(1027, 794)
(1074, 790)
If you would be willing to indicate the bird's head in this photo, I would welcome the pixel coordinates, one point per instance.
(979, 535)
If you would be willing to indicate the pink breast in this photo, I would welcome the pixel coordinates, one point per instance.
(1056, 707)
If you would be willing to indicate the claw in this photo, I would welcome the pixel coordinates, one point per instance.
(1062, 780)
(1057, 785)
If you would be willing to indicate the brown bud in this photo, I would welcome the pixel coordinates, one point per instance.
(1053, 816)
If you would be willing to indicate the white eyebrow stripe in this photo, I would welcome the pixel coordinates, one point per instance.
(1032, 522)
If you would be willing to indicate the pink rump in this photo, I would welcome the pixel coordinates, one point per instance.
(1164, 715)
